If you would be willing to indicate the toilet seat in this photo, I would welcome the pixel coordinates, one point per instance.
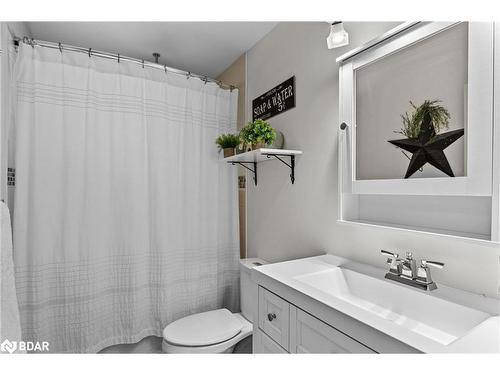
(216, 331)
(224, 330)
(207, 328)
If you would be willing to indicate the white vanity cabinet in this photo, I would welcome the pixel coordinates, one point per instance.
(264, 344)
(329, 304)
(311, 335)
(274, 317)
(285, 328)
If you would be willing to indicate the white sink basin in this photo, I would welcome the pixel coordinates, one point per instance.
(434, 318)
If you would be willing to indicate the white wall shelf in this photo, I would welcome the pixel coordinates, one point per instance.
(262, 154)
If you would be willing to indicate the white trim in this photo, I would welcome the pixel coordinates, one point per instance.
(246, 90)
(245, 119)
(402, 228)
(341, 173)
(380, 39)
(425, 186)
(421, 32)
(346, 84)
(495, 201)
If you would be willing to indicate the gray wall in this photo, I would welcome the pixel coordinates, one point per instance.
(287, 221)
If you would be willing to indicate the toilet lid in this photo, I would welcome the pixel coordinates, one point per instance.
(203, 329)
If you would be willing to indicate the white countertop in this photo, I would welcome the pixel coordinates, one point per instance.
(483, 338)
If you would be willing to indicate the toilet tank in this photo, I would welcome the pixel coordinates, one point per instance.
(249, 293)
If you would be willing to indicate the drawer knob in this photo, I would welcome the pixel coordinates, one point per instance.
(271, 316)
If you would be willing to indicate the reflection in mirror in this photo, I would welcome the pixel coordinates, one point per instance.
(418, 96)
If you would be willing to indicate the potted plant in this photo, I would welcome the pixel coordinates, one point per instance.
(227, 143)
(257, 134)
(413, 124)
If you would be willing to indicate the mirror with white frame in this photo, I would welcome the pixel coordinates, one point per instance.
(421, 83)
(418, 105)
(434, 71)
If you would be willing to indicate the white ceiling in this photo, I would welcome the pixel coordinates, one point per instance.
(205, 48)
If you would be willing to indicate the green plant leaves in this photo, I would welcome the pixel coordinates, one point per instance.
(228, 140)
(412, 122)
(258, 131)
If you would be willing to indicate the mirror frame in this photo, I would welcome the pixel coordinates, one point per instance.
(479, 130)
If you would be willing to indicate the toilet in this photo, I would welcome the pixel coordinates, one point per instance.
(216, 331)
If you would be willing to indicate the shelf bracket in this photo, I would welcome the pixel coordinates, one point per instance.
(291, 165)
(254, 170)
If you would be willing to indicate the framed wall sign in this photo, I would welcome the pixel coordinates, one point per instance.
(277, 100)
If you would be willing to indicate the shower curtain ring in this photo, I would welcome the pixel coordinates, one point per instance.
(188, 75)
(29, 41)
(90, 52)
(205, 79)
(118, 58)
(165, 66)
(142, 63)
(60, 47)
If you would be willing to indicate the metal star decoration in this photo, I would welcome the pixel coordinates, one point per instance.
(428, 148)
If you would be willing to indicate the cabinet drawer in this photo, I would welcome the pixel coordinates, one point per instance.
(266, 345)
(311, 335)
(274, 317)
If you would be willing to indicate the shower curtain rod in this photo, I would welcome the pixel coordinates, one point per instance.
(116, 56)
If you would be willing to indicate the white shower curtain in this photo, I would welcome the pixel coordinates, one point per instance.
(124, 219)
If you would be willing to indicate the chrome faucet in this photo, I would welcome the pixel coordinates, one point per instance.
(408, 266)
(405, 270)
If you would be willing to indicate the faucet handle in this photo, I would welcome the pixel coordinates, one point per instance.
(394, 262)
(432, 263)
(424, 273)
(394, 255)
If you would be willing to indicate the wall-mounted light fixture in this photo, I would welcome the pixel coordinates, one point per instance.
(338, 37)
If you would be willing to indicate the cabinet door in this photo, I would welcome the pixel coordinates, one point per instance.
(274, 317)
(311, 335)
(265, 345)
